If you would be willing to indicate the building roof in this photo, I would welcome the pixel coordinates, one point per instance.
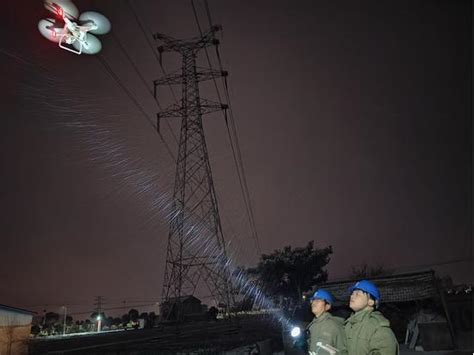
(393, 288)
(15, 310)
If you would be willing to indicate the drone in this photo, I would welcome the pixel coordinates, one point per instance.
(73, 32)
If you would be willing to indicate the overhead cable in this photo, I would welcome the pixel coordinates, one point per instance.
(132, 98)
(238, 160)
(146, 33)
(232, 133)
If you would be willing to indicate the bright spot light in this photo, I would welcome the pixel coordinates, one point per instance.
(98, 317)
(295, 332)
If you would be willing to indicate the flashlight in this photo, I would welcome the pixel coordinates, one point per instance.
(295, 332)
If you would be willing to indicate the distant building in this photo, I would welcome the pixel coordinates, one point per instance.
(15, 328)
(181, 308)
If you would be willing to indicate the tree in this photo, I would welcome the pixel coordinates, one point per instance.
(133, 314)
(35, 329)
(125, 319)
(109, 321)
(50, 318)
(289, 272)
(212, 313)
(152, 318)
(87, 326)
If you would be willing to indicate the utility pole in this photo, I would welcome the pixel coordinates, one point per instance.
(99, 300)
(196, 249)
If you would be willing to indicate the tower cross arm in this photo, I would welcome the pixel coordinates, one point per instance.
(201, 75)
(209, 37)
(171, 111)
(208, 106)
(171, 44)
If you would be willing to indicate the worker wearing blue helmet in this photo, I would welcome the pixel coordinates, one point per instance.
(367, 330)
(325, 330)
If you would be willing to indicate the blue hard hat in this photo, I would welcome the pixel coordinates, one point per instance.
(367, 287)
(323, 294)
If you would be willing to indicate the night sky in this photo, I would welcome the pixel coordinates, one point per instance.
(354, 121)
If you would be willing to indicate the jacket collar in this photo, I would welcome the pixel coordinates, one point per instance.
(359, 316)
(321, 318)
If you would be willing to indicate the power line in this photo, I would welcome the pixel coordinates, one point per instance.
(22, 60)
(235, 151)
(122, 47)
(208, 13)
(132, 98)
(205, 50)
(236, 139)
(124, 51)
(411, 268)
(142, 27)
(441, 263)
(146, 32)
(188, 265)
(124, 88)
(240, 160)
(237, 155)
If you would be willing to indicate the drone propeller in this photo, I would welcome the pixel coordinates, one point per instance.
(51, 30)
(91, 45)
(102, 23)
(62, 8)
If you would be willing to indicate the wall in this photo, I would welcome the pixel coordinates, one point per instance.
(15, 331)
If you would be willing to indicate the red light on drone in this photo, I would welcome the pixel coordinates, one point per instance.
(58, 9)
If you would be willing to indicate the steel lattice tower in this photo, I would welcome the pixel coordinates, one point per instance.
(196, 249)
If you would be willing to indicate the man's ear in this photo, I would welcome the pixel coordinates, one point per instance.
(327, 307)
(371, 302)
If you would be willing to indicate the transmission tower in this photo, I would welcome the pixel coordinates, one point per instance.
(196, 249)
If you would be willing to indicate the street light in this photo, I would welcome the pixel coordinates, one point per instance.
(64, 323)
(99, 319)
